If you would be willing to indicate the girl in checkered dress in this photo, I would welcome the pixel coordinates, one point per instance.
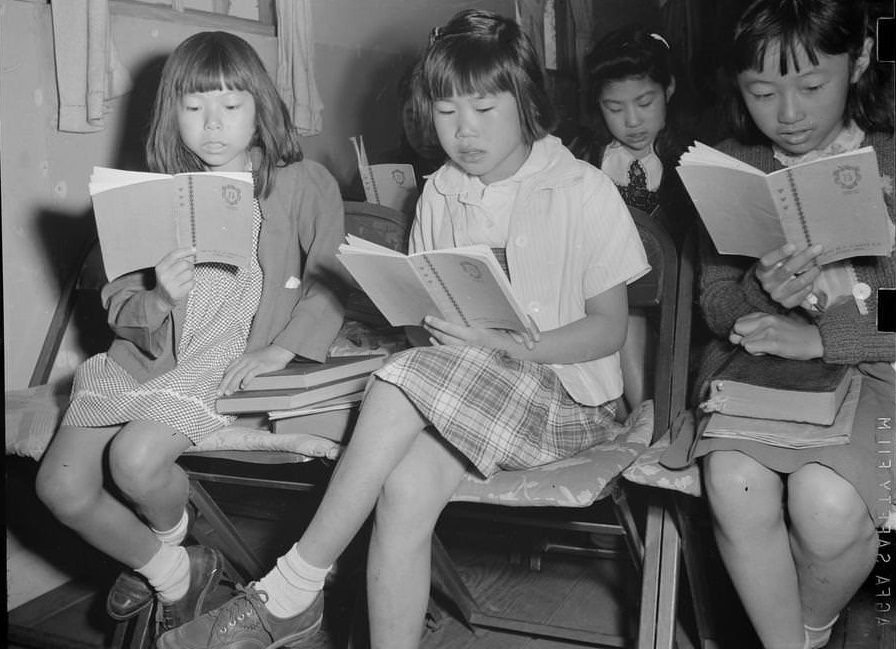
(474, 400)
(186, 333)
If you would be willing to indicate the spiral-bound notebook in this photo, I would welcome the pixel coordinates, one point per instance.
(141, 217)
(836, 202)
(463, 285)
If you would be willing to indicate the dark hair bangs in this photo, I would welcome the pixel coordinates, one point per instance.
(816, 27)
(213, 69)
(466, 69)
(750, 49)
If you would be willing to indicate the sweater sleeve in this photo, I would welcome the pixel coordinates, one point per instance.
(851, 337)
(135, 316)
(729, 289)
(317, 315)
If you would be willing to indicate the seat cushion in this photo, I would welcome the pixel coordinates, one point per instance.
(242, 438)
(647, 470)
(576, 481)
(33, 414)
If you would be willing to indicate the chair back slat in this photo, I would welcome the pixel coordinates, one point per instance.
(656, 293)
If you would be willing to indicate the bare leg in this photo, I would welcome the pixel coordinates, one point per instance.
(70, 483)
(399, 563)
(143, 464)
(833, 539)
(748, 517)
(386, 428)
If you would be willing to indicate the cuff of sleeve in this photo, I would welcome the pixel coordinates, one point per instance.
(756, 296)
(154, 312)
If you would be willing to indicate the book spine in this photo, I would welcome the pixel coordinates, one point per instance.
(799, 207)
(445, 291)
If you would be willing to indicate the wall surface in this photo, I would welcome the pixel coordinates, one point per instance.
(362, 48)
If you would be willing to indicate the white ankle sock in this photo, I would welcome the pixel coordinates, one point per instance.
(177, 534)
(168, 572)
(292, 585)
(817, 637)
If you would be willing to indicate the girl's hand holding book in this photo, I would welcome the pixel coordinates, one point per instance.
(174, 276)
(787, 274)
(251, 364)
(784, 336)
(443, 332)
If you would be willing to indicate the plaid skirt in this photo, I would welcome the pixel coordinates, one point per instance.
(499, 412)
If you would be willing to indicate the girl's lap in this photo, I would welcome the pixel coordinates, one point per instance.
(499, 412)
(861, 463)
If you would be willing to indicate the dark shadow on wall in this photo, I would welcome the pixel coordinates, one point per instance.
(66, 236)
(138, 116)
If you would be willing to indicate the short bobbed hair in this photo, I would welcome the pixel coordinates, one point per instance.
(480, 52)
(629, 52)
(830, 27)
(210, 61)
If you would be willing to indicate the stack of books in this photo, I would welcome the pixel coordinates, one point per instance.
(782, 402)
(307, 397)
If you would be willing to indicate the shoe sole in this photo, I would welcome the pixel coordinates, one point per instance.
(289, 641)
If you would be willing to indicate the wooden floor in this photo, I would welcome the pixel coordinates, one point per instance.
(568, 590)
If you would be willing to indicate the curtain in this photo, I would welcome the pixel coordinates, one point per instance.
(295, 65)
(88, 72)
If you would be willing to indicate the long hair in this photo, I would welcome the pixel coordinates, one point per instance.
(631, 51)
(831, 27)
(210, 61)
(480, 52)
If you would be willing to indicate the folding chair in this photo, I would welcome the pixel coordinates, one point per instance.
(570, 490)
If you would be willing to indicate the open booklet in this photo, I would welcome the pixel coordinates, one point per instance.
(836, 202)
(463, 285)
(142, 216)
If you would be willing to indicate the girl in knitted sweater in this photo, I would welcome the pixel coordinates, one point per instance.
(796, 529)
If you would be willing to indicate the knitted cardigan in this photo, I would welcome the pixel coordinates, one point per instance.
(729, 289)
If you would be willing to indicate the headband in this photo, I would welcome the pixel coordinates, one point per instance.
(659, 38)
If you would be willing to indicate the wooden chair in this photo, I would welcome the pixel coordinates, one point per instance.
(594, 475)
(675, 512)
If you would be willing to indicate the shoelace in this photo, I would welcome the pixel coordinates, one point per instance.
(242, 610)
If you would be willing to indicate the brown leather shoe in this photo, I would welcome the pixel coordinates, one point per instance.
(206, 566)
(131, 592)
(244, 622)
(129, 595)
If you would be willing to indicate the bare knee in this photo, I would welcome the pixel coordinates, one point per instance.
(67, 491)
(740, 489)
(406, 508)
(828, 517)
(137, 462)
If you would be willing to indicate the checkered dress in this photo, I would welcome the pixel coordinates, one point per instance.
(218, 318)
(499, 412)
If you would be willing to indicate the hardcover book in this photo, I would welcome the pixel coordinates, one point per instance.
(836, 202)
(770, 387)
(790, 434)
(305, 374)
(288, 398)
(141, 217)
(334, 425)
(463, 285)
